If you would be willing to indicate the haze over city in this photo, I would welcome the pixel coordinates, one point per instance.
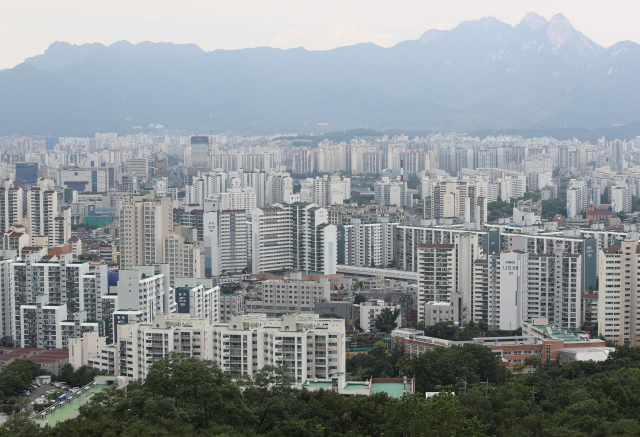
(360, 218)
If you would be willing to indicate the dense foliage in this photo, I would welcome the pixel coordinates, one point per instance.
(386, 320)
(187, 397)
(17, 376)
(78, 378)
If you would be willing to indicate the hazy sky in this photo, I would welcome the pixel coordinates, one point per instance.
(27, 27)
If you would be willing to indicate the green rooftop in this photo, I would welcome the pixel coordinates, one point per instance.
(394, 389)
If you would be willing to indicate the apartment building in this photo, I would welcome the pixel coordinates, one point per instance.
(198, 298)
(226, 242)
(618, 293)
(554, 289)
(184, 254)
(577, 198)
(42, 209)
(369, 244)
(388, 192)
(296, 236)
(231, 304)
(457, 199)
(507, 288)
(146, 289)
(620, 197)
(144, 221)
(436, 275)
(272, 243)
(331, 190)
(7, 296)
(293, 295)
(589, 307)
(314, 240)
(238, 198)
(61, 229)
(40, 324)
(14, 240)
(308, 347)
(481, 291)
(279, 187)
(445, 269)
(11, 205)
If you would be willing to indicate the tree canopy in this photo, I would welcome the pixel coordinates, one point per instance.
(187, 397)
(386, 320)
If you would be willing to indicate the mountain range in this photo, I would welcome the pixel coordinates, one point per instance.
(479, 76)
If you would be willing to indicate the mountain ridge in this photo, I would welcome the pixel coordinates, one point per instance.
(480, 75)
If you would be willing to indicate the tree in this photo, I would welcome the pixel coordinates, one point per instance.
(453, 365)
(439, 416)
(53, 396)
(358, 299)
(18, 375)
(386, 320)
(197, 390)
(19, 425)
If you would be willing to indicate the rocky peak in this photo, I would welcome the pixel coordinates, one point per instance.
(533, 21)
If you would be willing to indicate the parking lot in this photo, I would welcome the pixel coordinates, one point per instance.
(42, 391)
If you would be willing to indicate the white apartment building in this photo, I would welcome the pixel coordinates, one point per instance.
(40, 324)
(144, 222)
(296, 236)
(539, 180)
(146, 289)
(331, 190)
(198, 298)
(238, 198)
(554, 288)
(507, 288)
(279, 187)
(226, 241)
(184, 254)
(388, 192)
(367, 244)
(42, 209)
(7, 295)
(457, 199)
(293, 295)
(11, 205)
(618, 300)
(314, 240)
(309, 347)
(272, 243)
(577, 198)
(445, 269)
(620, 197)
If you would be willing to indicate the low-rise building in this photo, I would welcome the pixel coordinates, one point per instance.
(369, 311)
(293, 295)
